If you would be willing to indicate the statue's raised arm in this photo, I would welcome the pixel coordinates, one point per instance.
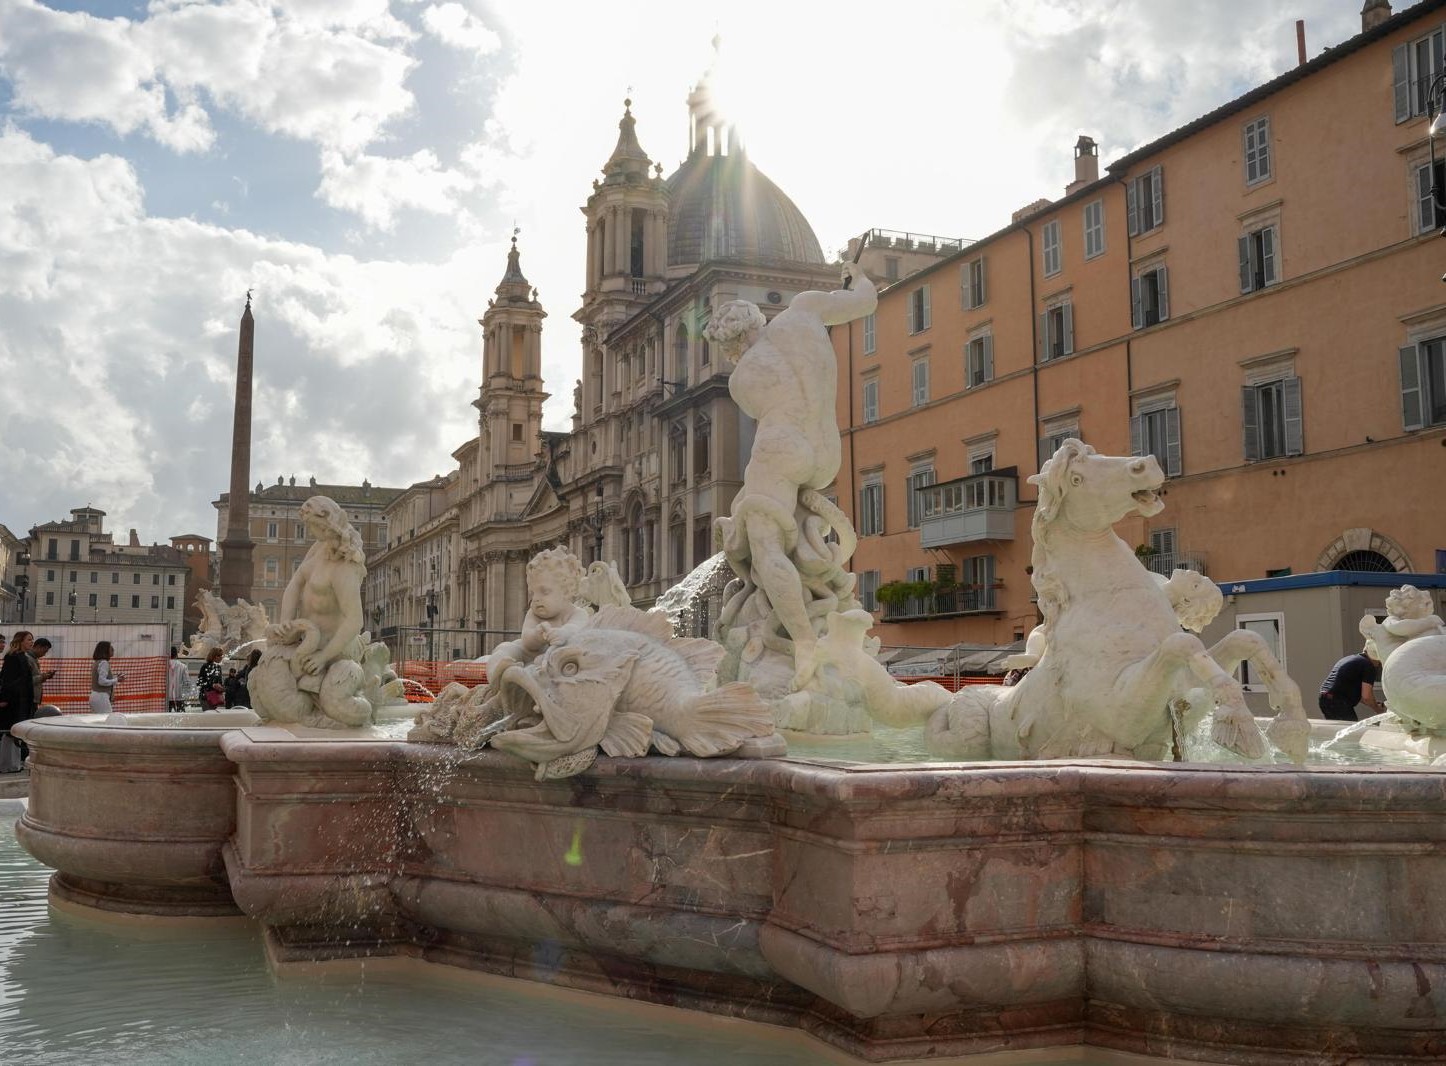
(857, 298)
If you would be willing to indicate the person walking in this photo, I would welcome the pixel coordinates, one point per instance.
(209, 682)
(177, 676)
(103, 679)
(1349, 683)
(243, 693)
(17, 698)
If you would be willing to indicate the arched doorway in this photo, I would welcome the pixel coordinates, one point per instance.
(1365, 560)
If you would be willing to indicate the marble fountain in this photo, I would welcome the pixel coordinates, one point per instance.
(616, 810)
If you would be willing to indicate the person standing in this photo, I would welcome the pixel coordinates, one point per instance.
(209, 681)
(17, 699)
(177, 677)
(243, 693)
(103, 679)
(1349, 683)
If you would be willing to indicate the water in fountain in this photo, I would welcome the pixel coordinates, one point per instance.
(1355, 729)
(686, 602)
(407, 682)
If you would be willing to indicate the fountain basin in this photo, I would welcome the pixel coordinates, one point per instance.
(1241, 914)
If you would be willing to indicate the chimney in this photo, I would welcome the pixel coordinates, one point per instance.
(1374, 13)
(1086, 164)
(1300, 41)
(135, 539)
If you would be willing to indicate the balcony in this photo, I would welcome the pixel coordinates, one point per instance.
(966, 599)
(1167, 563)
(967, 509)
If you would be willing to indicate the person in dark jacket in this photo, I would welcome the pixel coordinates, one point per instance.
(17, 694)
(243, 693)
(1349, 683)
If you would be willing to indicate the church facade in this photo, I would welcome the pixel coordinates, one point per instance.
(656, 449)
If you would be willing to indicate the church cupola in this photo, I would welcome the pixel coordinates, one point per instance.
(628, 163)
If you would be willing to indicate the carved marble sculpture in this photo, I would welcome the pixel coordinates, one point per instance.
(319, 668)
(620, 682)
(790, 577)
(224, 625)
(602, 586)
(1411, 644)
(1114, 656)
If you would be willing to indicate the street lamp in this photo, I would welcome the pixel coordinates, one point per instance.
(70, 600)
(431, 625)
(22, 579)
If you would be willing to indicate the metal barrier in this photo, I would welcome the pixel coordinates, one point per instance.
(429, 678)
(144, 687)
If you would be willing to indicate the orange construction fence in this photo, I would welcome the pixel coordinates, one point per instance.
(952, 683)
(143, 687)
(433, 677)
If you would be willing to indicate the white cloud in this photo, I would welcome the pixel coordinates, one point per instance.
(375, 187)
(122, 327)
(455, 25)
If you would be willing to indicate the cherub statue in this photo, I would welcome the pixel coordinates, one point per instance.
(1408, 615)
(554, 580)
(1411, 645)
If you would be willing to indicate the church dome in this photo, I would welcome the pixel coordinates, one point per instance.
(724, 207)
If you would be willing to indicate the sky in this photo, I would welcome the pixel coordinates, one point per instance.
(361, 166)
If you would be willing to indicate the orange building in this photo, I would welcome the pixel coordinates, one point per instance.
(1255, 298)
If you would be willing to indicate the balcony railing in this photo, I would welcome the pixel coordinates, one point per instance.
(897, 240)
(966, 599)
(978, 507)
(1167, 563)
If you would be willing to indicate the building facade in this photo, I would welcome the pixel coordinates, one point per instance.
(657, 447)
(1255, 299)
(201, 567)
(77, 573)
(274, 519)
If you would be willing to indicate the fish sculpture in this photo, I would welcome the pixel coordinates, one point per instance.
(623, 683)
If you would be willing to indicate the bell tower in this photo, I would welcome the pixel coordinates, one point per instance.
(510, 404)
(627, 252)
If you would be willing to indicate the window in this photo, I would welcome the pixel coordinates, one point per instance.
(1257, 259)
(170, 579)
(977, 579)
(1145, 202)
(678, 451)
(1271, 628)
(972, 281)
(135, 579)
(52, 547)
(981, 464)
(300, 531)
(1257, 150)
(135, 601)
(170, 602)
(870, 334)
(1272, 419)
(871, 509)
(272, 569)
(869, 590)
(919, 317)
(50, 575)
(1050, 248)
(891, 268)
(155, 579)
(516, 432)
(270, 530)
(1413, 66)
(921, 382)
(1162, 551)
(114, 600)
(922, 477)
(702, 455)
(1423, 383)
(1149, 297)
(1157, 432)
(155, 602)
(115, 577)
(72, 577)
(979, 360)
(1056, 332)
(1429, 181)
(74, 550)
(871, 400)
(702, 538)
(90, 600)
(1054, 437)
(94, 576)
(50, 599)
(1094, 229)
(680, 356)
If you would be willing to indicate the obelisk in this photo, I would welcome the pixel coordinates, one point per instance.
(236, 546)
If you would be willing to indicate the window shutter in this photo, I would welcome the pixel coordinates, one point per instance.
(1157, 189)
(966, 287)
(1137, 309)
(913, 326)
(1163, 278)
(1411, 405)
(1137, 434)
(1250, 420)
(1267, 254)
(983, 294)
(1425, 214)
(880, 524)
(1044, 337)
(988, 357)
(928, 316)
(1173, 465)
(1294, 436)
(1401, 76)
(1246, 274)
(1068, 329)
(1132, 211)
(1045, 451)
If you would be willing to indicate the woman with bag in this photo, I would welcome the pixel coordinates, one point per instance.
(209, 683)
(17, 699)
(103, 680)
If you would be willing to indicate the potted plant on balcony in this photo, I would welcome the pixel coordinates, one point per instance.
(896, 595)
